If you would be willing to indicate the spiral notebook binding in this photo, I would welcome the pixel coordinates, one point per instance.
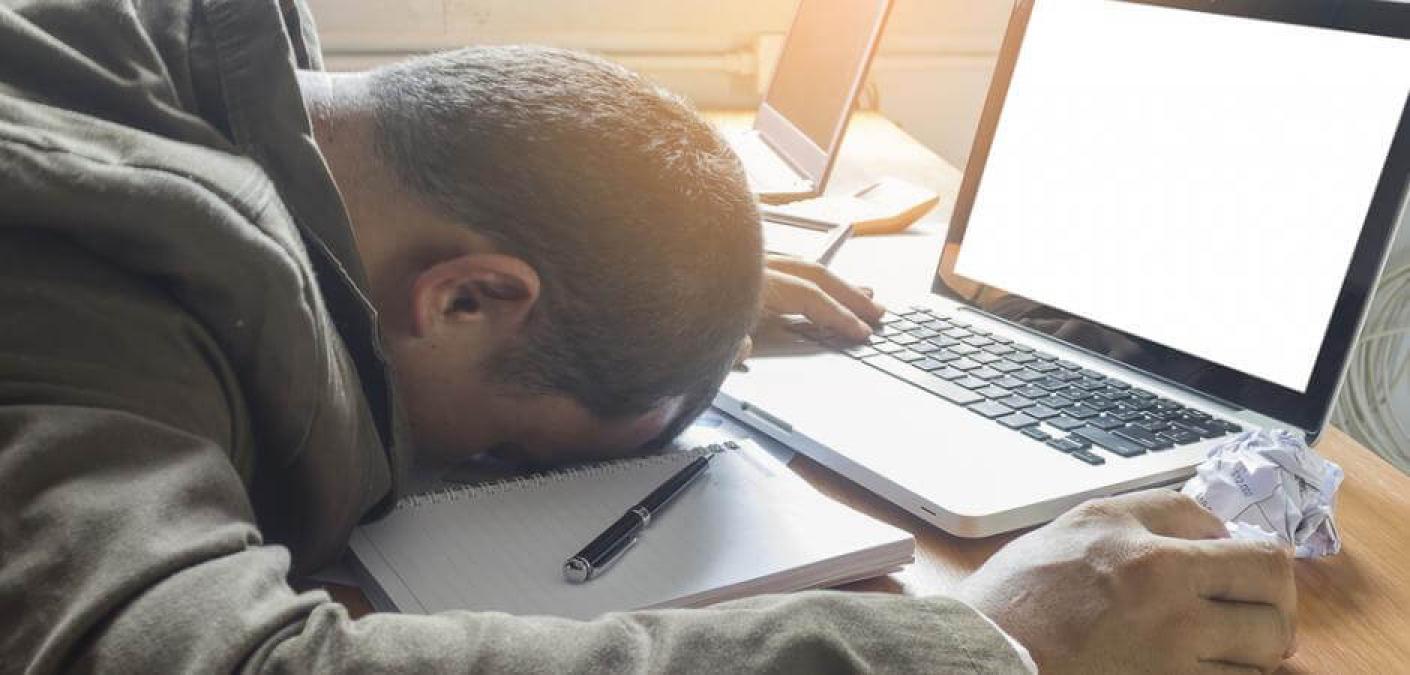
(455, 493)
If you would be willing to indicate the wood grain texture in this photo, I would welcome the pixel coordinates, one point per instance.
(1354, 608)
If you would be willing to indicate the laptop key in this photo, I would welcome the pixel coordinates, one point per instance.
(1021, 358)
(998, 348)
(1106, 422)
(1042, 367)
(904, 339)
(972, 383)
(990, 409)
(1020, 347)
(1064, 363)
(986, 373)
(1055, 401)
(1080, 412)
(1028, 375)
(1016, 402)
(993, 392)
(1031, 391)
(978, 341)
(935, 385)
(1017, 420)
(1038, 411)
(907, 356)
(1050, 384)
(1179, 436)
(963, 349)
(1009, 382)
(949, 373)
(905, 325)
(957, 333)
(943, 342)
(1142, 437)
(1117, 384)
(922, 333)
(1088, 457)
(1197, 429)
(928, 365)
(1197, 415)
(888, 347)
(965, 364)
(1069, 444)
(1099, 403)
(1116, 444)
(1154, 426)
(1124, 414)
(1035, 433)
(985, 357)
(924, 348)
(1065, 423)
(1004, 366)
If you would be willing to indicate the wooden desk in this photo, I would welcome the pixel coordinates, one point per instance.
(1354, 608)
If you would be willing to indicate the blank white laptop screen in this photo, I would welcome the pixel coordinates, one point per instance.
(1194, 179)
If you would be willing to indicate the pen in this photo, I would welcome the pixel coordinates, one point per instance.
(619, 536)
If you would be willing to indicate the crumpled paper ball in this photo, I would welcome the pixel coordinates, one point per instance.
(1270, 486)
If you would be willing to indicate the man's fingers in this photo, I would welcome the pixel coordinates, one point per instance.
(853, 298)
(1170, 514)
(1244, 634)
(787, 294)
(1243, 571)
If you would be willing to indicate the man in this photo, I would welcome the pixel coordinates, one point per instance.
(240, 301)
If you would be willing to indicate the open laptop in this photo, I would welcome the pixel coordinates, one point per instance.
(1168, 232)
(803, 117)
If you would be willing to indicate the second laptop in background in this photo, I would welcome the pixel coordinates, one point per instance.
(803, 117)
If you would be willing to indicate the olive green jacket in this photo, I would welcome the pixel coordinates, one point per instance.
(193, 404)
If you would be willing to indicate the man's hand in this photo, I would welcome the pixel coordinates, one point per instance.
(1146, 582)
(793, 286)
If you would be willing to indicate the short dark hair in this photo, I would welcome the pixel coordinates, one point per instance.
(632, 209)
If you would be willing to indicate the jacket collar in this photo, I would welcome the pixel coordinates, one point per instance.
(257, 46)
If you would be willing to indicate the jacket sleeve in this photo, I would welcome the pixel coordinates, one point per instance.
(128, 544)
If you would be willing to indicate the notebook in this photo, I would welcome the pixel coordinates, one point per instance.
(748, 526)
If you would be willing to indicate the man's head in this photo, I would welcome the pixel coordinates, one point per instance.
(564, 256)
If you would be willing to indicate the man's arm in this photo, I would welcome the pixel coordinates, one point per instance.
(127, 541)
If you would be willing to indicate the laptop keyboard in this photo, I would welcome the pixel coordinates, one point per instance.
(1072, 409)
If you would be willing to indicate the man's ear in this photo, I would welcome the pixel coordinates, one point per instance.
(492, 289)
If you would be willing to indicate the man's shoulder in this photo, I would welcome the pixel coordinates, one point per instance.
(82, 332)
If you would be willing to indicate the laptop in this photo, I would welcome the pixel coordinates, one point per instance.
(798, 128)
(1168, 232)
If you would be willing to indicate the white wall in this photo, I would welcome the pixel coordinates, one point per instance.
(930, 76)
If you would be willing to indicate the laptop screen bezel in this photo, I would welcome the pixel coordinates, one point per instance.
(1305, 410)
(785, 138)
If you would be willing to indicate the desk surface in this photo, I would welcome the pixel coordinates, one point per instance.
(1354, 608)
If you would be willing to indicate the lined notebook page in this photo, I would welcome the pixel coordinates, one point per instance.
(748, 526)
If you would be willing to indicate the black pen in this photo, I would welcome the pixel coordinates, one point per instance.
(619, 536)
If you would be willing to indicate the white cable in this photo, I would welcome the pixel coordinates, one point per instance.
(1378, 374)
